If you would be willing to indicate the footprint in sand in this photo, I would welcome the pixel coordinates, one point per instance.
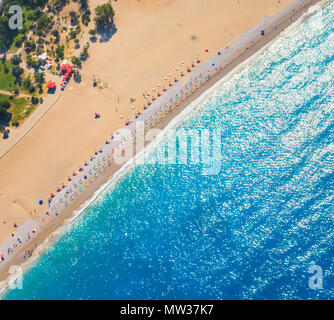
(21, 205)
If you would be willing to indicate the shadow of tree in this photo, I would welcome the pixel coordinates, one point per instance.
(77, 77)
(106, 33)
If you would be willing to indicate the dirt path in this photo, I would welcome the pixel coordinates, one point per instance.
(21, 95)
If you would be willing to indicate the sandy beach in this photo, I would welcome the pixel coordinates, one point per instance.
(136, 59)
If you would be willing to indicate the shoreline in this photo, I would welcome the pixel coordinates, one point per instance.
(56, 226)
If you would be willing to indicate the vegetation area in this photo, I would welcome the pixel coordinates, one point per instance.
(34, 18)
(104, 16)
(31, 12)
(5, 116)
(13, 110)
(46, 30)
(7, 80)
(20, 109)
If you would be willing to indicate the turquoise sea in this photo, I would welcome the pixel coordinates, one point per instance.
(251, 231)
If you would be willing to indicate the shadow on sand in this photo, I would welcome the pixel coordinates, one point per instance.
(77, 77)
(106, 33)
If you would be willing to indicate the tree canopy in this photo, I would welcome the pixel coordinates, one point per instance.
(32, 11)
(15, 59)
(104, 15)
(39, 78)
(5, 116)
(17, 71)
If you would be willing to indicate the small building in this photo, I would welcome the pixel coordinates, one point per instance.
(51, 86)
(42, 58)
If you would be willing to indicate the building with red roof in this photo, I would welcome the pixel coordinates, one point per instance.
(51, 85)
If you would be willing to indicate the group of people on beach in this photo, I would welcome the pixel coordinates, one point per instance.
(102, 158)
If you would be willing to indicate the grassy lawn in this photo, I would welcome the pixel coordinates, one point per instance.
(20, 108)
(6, 79)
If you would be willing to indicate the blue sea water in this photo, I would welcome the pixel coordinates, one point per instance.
(249, 232)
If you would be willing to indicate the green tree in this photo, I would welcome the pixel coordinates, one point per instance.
(84, 52)
(85, 17)
(5, 116)
(29, 45)
(92, 32)
(44, 21)
(28, 84)
(76, 61)
(104, 15)
(4, 104)
(15, 59)
(19, 40)
(31, 63)
(55, 33)
(39, 79)
(74, 18)
(73, 34)
(32, 11)
(34, 100)
(60, 52)
(17, 71)
(83, 4)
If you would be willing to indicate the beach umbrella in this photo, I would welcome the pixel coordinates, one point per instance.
(40, 202)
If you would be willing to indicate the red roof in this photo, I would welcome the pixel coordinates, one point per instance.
(66, 67)
(51, 85)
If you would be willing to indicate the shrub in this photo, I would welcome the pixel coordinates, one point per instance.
(17, 71)
(92, 32)
(15, 59)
